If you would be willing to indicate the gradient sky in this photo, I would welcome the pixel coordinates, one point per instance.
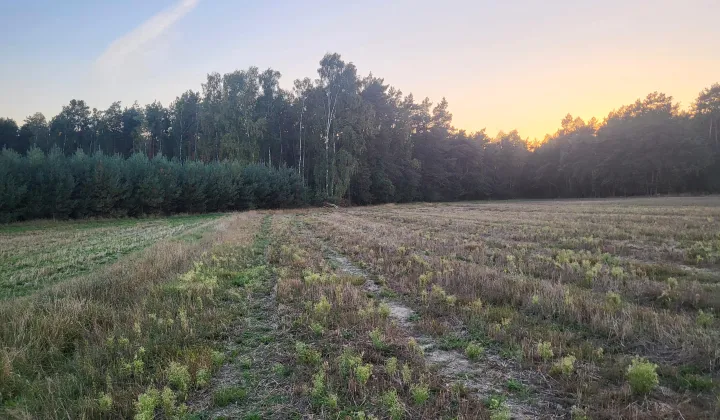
(501, 65)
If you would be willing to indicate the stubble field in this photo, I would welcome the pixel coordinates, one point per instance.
(529, 309)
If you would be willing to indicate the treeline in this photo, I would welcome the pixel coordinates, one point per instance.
(53, 185)
(356, 139)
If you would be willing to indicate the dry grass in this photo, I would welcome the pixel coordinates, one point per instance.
(353, 360)
(599, 280)
(476, 310)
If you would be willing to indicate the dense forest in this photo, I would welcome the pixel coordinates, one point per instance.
(244, 142)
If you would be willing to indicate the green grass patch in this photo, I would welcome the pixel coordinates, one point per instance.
(229, 395)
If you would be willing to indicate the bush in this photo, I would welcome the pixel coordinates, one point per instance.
(642, 376)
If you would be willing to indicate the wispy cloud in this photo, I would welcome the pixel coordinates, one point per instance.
(121, 52)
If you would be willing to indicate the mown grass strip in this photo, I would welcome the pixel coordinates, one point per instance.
(133, 341)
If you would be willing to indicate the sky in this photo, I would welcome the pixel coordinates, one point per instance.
(501, 65)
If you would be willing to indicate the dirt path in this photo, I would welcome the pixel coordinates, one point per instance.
(484, 378)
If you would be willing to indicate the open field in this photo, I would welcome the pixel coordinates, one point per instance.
(571, 290)
(528, 309)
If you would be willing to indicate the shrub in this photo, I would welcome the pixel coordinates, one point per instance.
(331, 401)
(476, 307)
(318, 388)
(384, 310)
(577, 413)
(642, 376)
(438, 293)
(514, 385)
(617, 272)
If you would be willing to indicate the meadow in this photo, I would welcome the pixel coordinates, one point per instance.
(582, 309)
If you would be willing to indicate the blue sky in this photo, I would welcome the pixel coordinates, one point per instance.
(502, 65)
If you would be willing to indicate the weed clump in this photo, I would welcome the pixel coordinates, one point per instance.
(384, 310)
(363, 373)
(704, 319)
(229, 395)
(150, 401)
(392, 404)
(474, 351)
(414, 346)
(406, 373)
(613, 301)
(218, 358)
(179, 377)
(146, 404)
(202, 378)
(642, 376)
(306, 354)
(420, 393)
(565, 366)
(391, 366)
(544, 349)
(317, 329)
(377, 338)
(105, 402)
(322, 308)
(348, 361)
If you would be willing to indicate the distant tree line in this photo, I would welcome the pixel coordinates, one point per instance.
(53, 185)
(340, 137)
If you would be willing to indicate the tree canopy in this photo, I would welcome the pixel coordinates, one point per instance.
(344, 138)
